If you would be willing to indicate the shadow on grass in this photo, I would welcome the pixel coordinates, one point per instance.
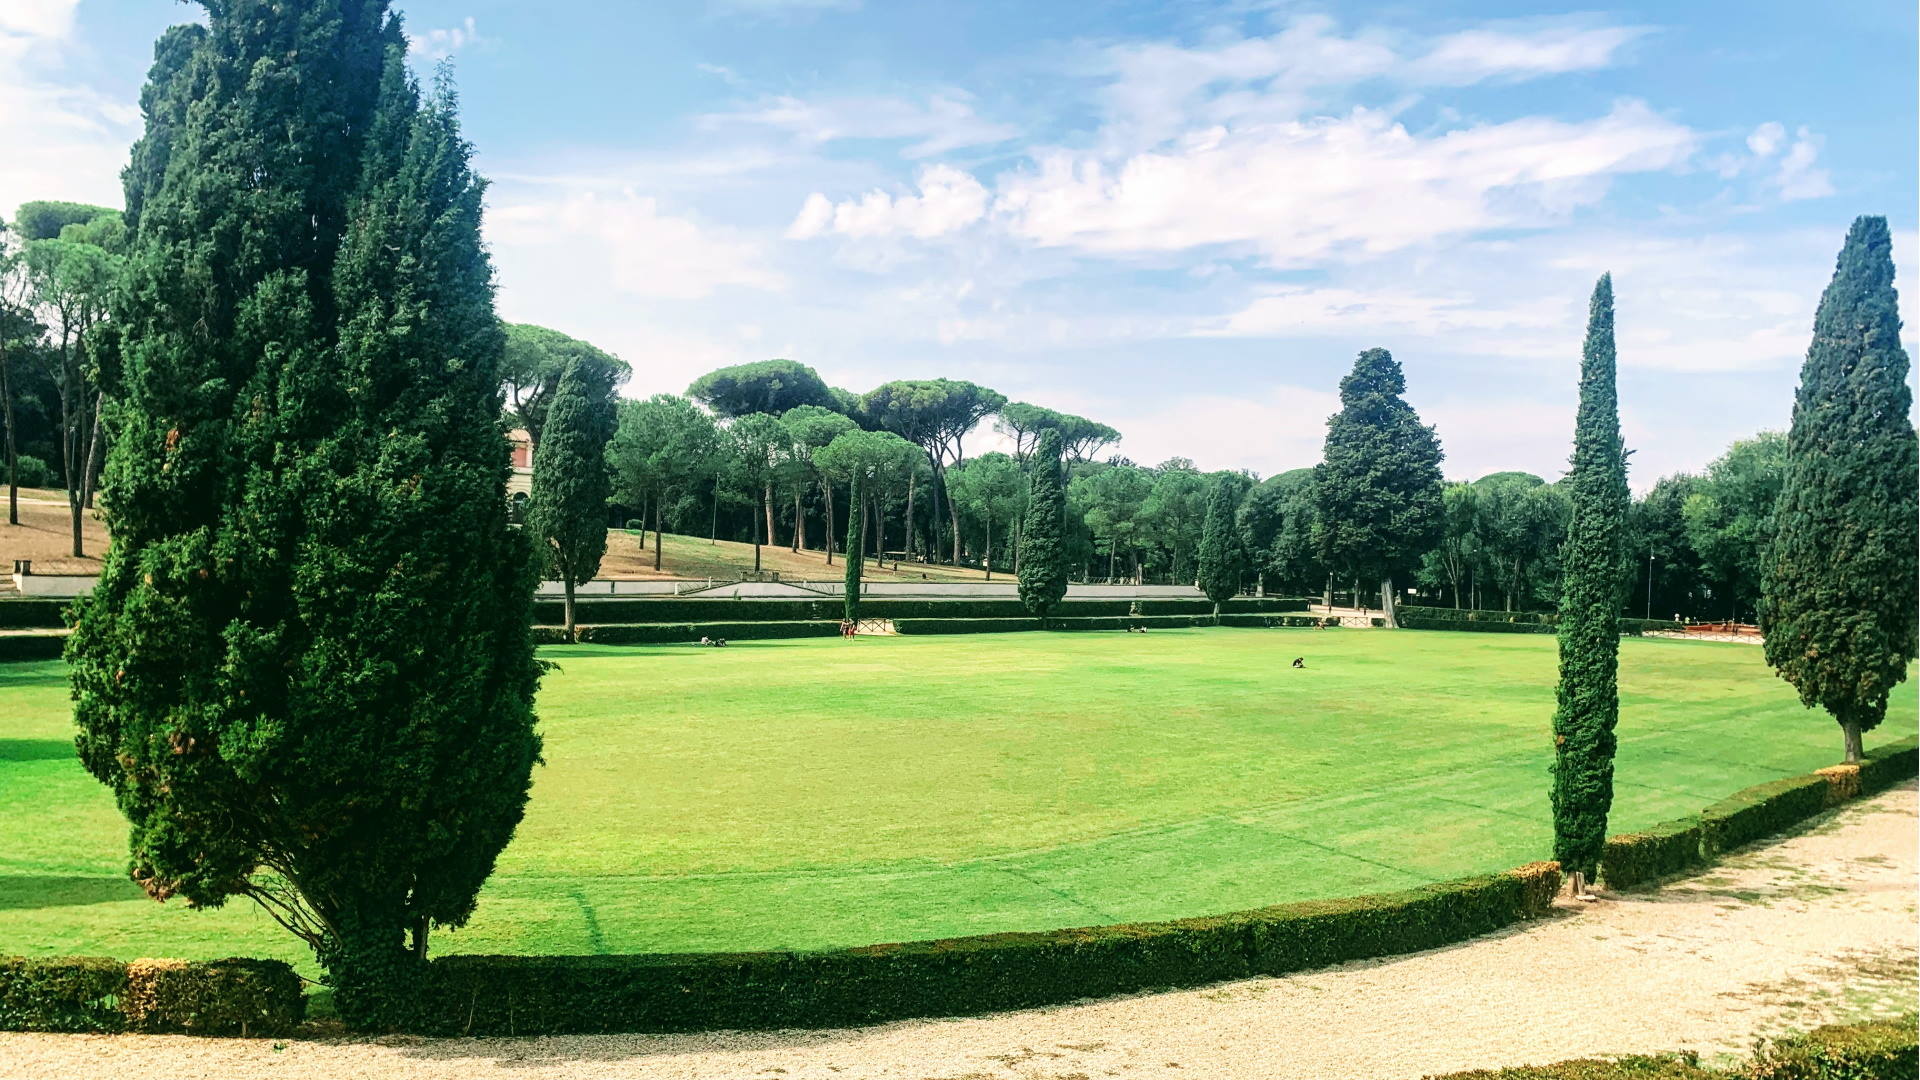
(36, 749)
(23, 892)
(24, 673)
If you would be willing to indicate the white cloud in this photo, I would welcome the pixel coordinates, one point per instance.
(949, 200)
(627, 243)
(1767, 138)
(1799, 176)
(780, 7)
(438, 44)
(68, 141)
(944, 121)
(1224, 431)
(1299, 192)
(1289, 311)
(1520, 51)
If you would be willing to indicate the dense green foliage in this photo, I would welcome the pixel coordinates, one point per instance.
(158, 997)
(856, 550)
(566, 513)
(306, 672)
(1043, 564)
(1589, 694)
(1839, 612)
(527, 995)
(533, 359)
(1511, 622)
(1377, 487)
(764, 386)
(1220, 551)
(662, 450)
(1873, 1050)
(959, 764)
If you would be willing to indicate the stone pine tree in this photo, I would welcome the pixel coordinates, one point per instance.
(307, 671)
(1377, 489)
(856, 546)
(1593, 575)
(1220, 562)
(1043, 553)
(567, 510)
(1837, 606)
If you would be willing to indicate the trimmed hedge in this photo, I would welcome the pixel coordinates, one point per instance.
(1509, 622)
(18, 647)
(33, 613)
(661, 633)
(1880, 1050)
(1631, 859)
(92, 993)
(526, 995)
(666, 609)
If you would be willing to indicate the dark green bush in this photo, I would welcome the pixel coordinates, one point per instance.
(1880, 1050)
(31, 647)
(237, 996)
(33, 613)
(1760, 811)
(550, 635)
(501, 995)
(1297, 621)
(1670, 847)
(663, 633)
(1508, 622)
(32, 472)
(671, 609)
(64, 993)
(1888, 765)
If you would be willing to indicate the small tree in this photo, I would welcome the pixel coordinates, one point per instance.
(1593, 565)
(1838, 610)
(1043, 555)
(1220, 562)
(856, 547)
(567, 513)
(759, 442)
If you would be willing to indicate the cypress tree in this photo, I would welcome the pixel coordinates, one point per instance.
(1219, 546)
(567, 510)
(307, 670)
(1837, 605)
(856, 547)
(1377, 488)
(1043, 554)
(1593, 576)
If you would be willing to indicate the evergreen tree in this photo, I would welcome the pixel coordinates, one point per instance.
(1593, 576)
(856, 546)
(1043, 555)
(1220, 562)
(567, 511)
(307, 670)
(1377, 488)
(1838, 592)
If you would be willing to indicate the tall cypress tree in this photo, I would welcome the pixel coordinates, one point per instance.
(1043, 553)
(1377, 487)
(1592, 576)
(567, 510)
(1220, 563)
(1837, 603)
(856, 546)
(307, 670)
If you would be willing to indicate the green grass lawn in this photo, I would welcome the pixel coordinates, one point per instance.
(819, 793)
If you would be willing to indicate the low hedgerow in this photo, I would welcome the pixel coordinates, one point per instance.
(33, 613)
(1508, 622)
(1662, 850)
(1888, 765)
(694, 609)
(1880, 1050)
(1760, 811)
(1660, 1067)
(19, 647)
(1277, 621)
(666, 633)
(92, 993)
(525, 995)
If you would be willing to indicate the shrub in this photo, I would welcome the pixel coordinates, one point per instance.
(33, 613)
(663, 633)
(31, 647)
(524, 995)
(220, 997)
(31, 472)
(1670, 847)
(1888, 765)
(694, 609)
(66, 993)
(1879, 1050)
(1760, 811)
(1508, 622)
(1662, 1067)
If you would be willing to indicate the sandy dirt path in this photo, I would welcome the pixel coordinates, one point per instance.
(1817, 927)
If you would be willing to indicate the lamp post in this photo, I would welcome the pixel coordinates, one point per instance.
(1649, 584)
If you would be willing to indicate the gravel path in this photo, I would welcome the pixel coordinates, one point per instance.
(1818, 927)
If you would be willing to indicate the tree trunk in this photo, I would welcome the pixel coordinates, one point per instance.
(656, 533)
(1387, 600)
(13, 456)
(1326, 594)
(1851, 730)
(713, 526)
(94, 455)
(756, 543)
(766, 504)
(799, 524)
(908, 541)
(826, 493)
(988, 560)
(566, 578)
(880, 534)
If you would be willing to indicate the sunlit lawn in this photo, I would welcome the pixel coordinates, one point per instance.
(818, 793)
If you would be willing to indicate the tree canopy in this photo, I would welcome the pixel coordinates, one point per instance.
(764, 386)
(533, 361)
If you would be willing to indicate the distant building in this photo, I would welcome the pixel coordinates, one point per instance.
(520, 481)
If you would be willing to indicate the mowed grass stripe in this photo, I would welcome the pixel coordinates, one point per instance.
(817, 793)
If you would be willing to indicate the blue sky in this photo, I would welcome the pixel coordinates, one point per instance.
(1183, 219)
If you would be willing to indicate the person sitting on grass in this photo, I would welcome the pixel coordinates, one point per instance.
(1299, 661)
